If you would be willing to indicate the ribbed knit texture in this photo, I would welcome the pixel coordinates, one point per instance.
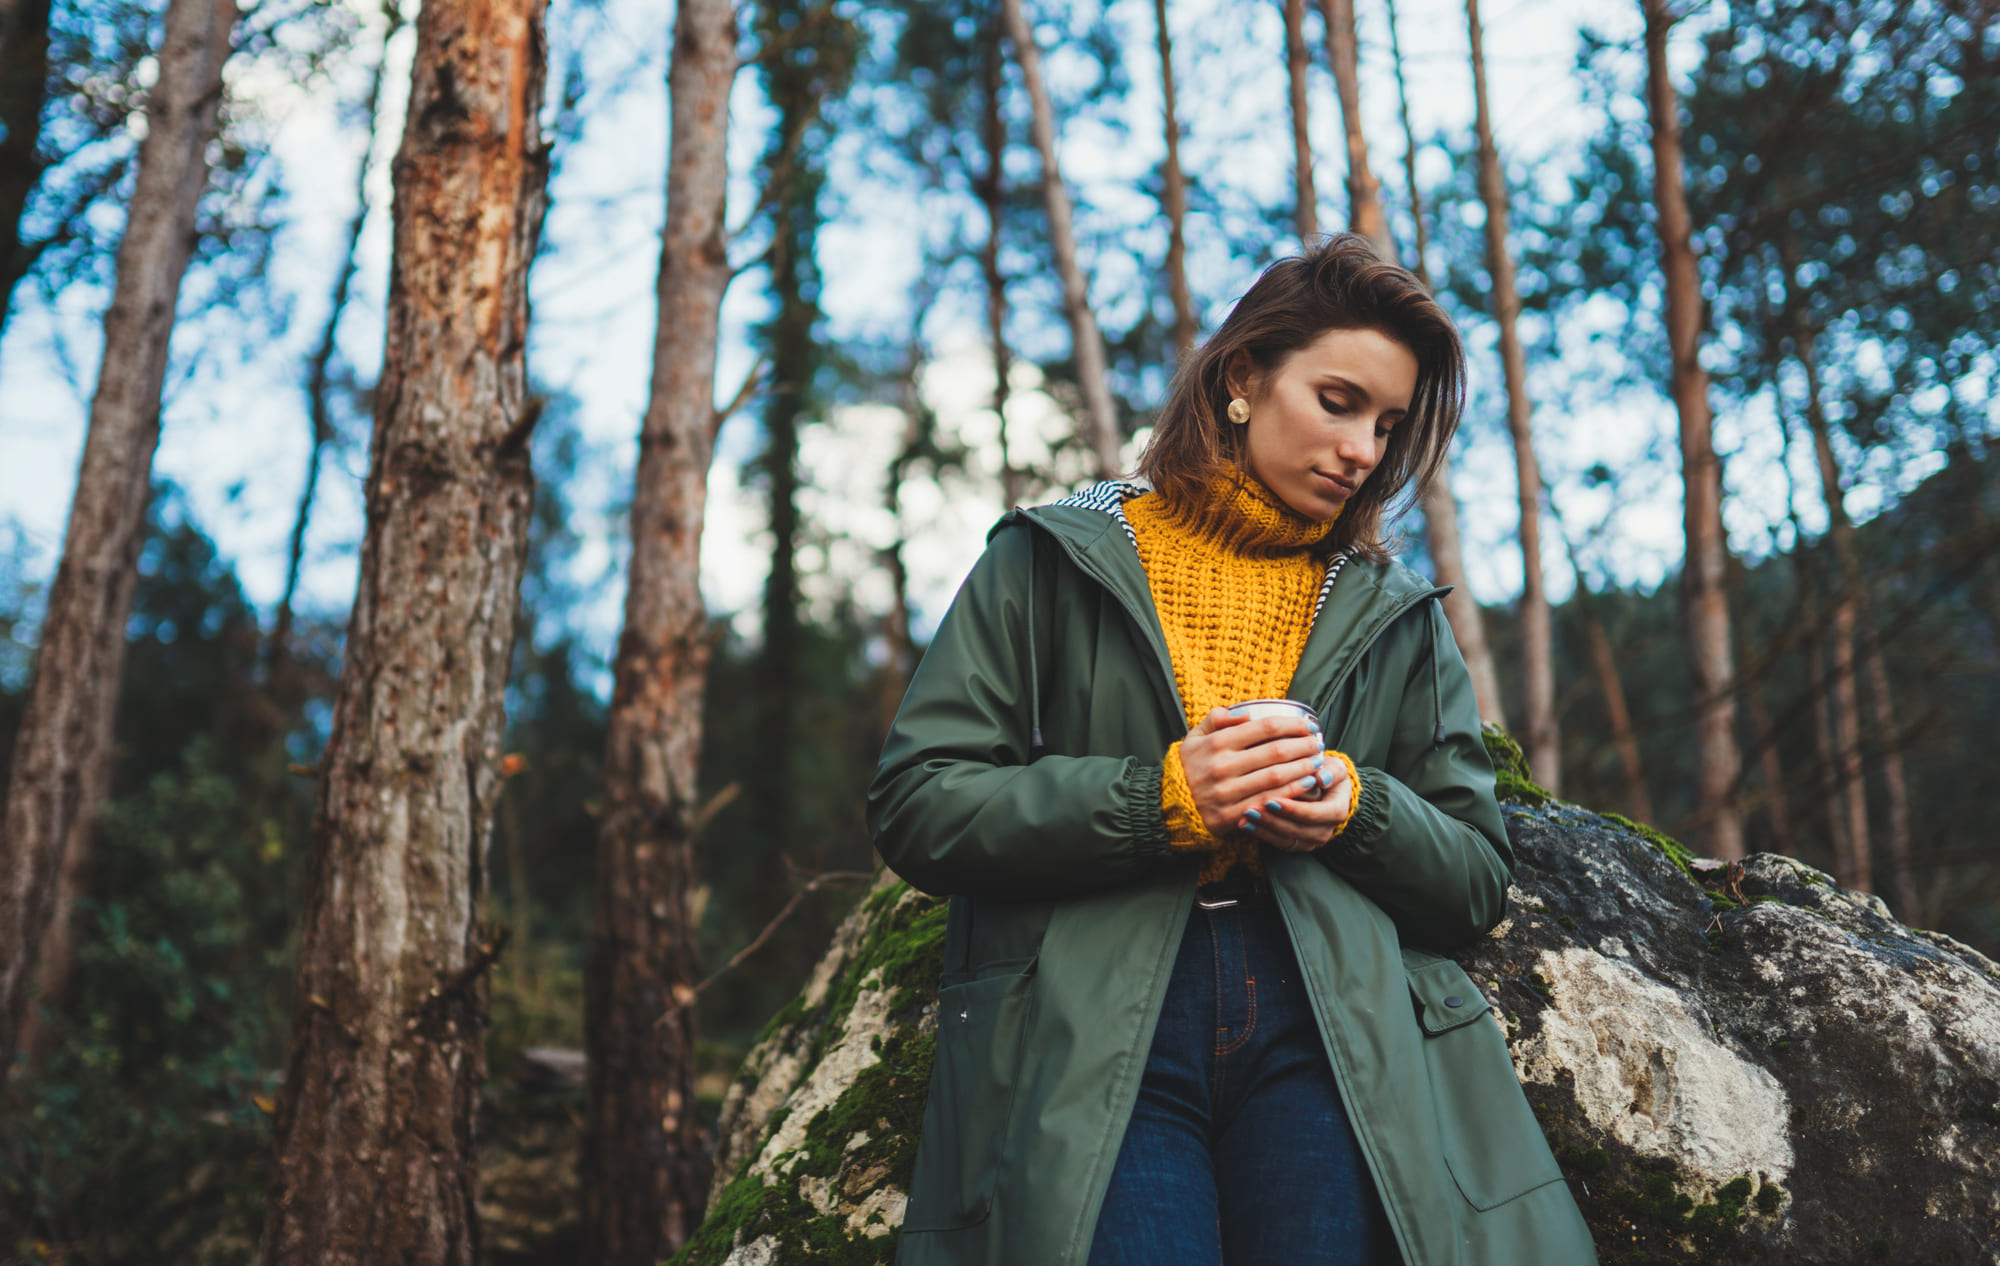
(1233, 580)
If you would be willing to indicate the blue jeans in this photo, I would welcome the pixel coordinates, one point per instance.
(1239, 1150)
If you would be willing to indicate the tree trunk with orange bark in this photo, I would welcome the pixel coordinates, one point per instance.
(1705, 605)
(62, 751)
(1100, 413)
(1298, 60)
(1173, 196)
(375, 1148)
(1540, 739)
(1364, 193)
(645, 1165)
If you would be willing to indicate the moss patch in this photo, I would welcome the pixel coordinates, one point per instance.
(1656, 1221)
(902, 954)
(1675, 851)
(1512, 782)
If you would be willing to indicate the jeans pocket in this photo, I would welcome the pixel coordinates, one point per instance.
(1492, 1143)
(981, 1026)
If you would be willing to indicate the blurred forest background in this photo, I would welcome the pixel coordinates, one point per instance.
(919, 329)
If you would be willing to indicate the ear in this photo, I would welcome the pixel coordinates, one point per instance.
(1240, 375)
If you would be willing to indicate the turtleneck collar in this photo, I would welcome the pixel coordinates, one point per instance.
(1238, 514)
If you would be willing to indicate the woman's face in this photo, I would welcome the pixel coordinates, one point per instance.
(1320, 421)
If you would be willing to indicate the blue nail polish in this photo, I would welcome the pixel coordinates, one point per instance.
(1254, 816)
(1273, 805)
(1319, 760)
(1325, 777)
(1307, 786)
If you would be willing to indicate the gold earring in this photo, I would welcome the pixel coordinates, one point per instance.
(1239, 411)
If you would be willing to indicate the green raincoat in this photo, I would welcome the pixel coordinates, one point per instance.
(1022, 778)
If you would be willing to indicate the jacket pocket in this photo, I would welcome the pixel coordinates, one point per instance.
(1492, 1143)
(981, 1026)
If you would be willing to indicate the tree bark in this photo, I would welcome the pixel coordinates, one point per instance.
(1890, 744)
(62, 751)
(1174, 197)
(1364, 192)
(375, 1153)
(1705, 604)
(1605, 661)
(1100, 414)
(1541, 740)
(1468, 628)
(992, 188)
(1844, 695)
(1305, 202)
(644, 1166)
(24, 77)
(1409, 151)
(1752, 682)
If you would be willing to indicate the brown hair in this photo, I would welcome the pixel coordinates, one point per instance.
(1337, 283)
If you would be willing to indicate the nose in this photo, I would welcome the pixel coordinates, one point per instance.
(1359, 448)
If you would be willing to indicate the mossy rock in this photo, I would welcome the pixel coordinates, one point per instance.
(818, 1135)
(1731, 1066)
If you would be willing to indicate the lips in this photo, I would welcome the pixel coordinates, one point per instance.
(1344, 487)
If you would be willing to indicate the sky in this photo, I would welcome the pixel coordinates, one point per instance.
(235, 435)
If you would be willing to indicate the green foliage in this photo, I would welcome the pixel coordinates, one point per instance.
(145, 1132)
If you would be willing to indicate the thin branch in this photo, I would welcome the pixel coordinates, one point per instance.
(685, 998)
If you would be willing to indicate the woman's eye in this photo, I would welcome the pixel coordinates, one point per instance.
(1332, 405)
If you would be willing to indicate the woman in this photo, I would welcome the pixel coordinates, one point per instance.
(1193, 1007)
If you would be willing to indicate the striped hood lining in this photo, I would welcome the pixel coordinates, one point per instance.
(1109, 497)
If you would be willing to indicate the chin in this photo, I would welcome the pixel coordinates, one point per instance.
(1317, 508)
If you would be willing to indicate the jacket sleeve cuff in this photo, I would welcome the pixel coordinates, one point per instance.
(1185, 831)
(1370, 814)
(1142, 820)
(1354, 781)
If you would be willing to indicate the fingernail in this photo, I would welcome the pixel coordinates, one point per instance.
(1273, 805)
(1309, 784)
(1319, 760)
(1254, 817)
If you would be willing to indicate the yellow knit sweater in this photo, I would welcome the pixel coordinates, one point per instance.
(1233, 579)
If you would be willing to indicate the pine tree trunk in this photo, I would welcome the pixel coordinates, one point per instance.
(1890, 744)
(992, 188)
(1705, 604)
(1173, 199)
(1409, 150)
(1752, 682)
(1468, 629)
(375, 1151)
(644, 1167)
(1100, 414)
(24, 76)
(1541, 739)
(1298, 60)
(62, 751)
(1364, 193)
(1846, 695)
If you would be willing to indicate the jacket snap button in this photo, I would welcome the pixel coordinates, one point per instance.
(961, 1016)
(1454, 1001)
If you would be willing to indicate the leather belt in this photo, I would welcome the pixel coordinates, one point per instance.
(1232, 889)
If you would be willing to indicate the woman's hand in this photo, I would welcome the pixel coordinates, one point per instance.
(1237, 766)
(1293, 825)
